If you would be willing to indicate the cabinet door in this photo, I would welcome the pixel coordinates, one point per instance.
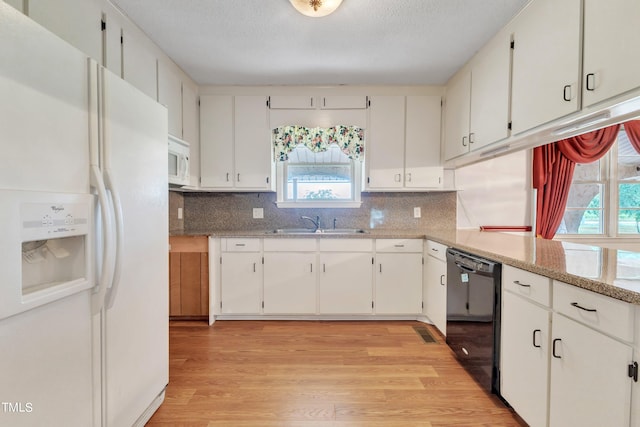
(348, 102)
(216, 141)
(252, 150)
(456, 124)
(435, 293)
(293, 102)
(589, 382)
(489, 120)
(611, 34)
(398, 283)
(77, 22)
(422, 142)
(290, 283)
(524, 358)
(385, 142)
(241, 283)
(546, 63)
(112, 46)
(190, 114)
(170, 95)
(139, 64)
(345, 283)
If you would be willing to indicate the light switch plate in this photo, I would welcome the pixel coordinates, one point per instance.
(417, 212)
(258, 213)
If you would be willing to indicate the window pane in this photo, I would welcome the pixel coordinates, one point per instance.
(628, 160)
(581, 221)
(629, 221)
(585, 196)
(319, 182)
(587, 172)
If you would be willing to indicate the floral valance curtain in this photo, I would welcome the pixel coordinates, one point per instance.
(350, 139)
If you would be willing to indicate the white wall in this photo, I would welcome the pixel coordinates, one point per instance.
(495, 192)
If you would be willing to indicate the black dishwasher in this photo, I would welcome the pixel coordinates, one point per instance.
(473, 315)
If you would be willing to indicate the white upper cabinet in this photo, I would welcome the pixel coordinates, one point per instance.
(422, 142)
(291, 102)
(456, 127)
(112, 45)
(252, 143)
(546, 63)
(341, 102)
(235, 143)
(489, 116)
(170, 95)
(611, 64)
(190, 122)
(403, 143)
(216, 141)
(477, 101)
(77, 22)
(384, 149)
(139, 63)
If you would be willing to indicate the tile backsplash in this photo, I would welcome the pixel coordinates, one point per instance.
(209, 212)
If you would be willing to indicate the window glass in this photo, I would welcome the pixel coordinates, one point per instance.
(628, 220)
(584, 212)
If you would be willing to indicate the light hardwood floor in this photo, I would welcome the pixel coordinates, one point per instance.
(308, 374)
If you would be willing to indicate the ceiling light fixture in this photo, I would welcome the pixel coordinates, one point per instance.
(315, 8)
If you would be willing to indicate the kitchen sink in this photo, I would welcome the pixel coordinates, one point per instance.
(319, 231)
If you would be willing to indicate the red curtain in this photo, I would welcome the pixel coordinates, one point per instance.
(632, 128)
(553, 166)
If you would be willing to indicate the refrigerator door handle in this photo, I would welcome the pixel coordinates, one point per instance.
(108, 251)
(119, 235)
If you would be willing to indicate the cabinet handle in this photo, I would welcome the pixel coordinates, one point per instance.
(434, 249)
(398, 246)
(238, 177)
(553, 350)
(442, 280)
(464, 141)
(471, 138)
(254, 267)
(324, 268)
(380, 268)
(534, 338)
(519, 283)
(576, 305)
(591, 82)
(227, 176)
(240, 244)
(408, 177)
(398, 177)
(311, 267)
(564, 93)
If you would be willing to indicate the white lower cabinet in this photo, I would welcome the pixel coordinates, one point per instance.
(241, 276)
(589, 382)
(525, 357)
(398, 276)
(290, 276)
(435, 285)
(345, 283)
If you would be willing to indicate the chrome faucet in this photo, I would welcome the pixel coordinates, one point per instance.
(315, 222)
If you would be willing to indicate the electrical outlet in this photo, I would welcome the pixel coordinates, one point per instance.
(417, 212)
(179, 213)
(258, 213)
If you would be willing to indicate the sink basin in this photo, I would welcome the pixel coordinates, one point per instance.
(320, 231)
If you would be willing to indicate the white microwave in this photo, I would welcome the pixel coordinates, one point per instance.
(178, 162)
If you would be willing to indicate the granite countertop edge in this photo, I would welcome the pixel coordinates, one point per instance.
(451, 238)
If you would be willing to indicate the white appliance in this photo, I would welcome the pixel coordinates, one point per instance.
(83, 220)
(179, 152)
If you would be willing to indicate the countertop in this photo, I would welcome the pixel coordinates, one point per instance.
(611, 272)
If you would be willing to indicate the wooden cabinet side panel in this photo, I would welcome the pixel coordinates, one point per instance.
(204, 284)
(190, 283)
(174, 284)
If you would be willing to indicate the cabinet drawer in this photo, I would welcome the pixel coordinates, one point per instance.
(601, 312)
(437, 250)
(527, 284)
(399, 245)
(346, 245)
(240, 245)
(289, 245)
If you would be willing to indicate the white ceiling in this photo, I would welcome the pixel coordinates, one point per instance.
(372, 42)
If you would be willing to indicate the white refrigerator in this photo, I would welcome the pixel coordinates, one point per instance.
(83, 238)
